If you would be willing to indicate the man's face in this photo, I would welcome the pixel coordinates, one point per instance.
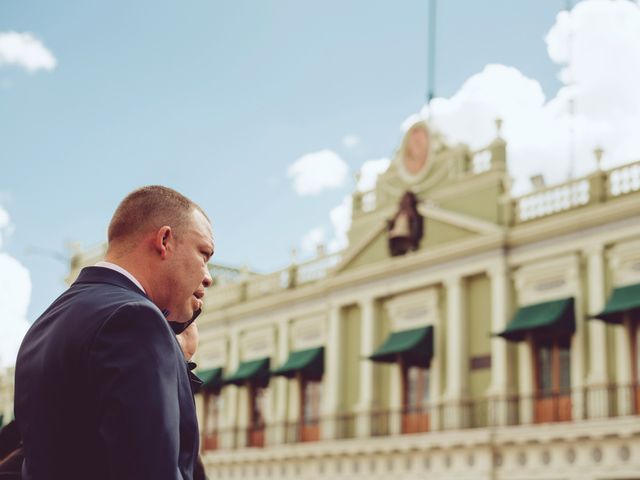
(188, 274)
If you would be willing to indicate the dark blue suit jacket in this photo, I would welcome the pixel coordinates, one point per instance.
(102, 388)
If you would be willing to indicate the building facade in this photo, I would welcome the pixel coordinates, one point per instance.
(463, 334)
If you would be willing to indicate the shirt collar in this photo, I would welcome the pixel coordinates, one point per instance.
(121, 270)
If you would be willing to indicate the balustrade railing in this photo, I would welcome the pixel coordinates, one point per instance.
(481, 161)
(596, 187)
(316, 269)
(553, 200)
(624, 179)
(575, 405)
(260, 285)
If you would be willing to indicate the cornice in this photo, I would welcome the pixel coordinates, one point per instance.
(538, 230)
(368, 273)
(466, 222)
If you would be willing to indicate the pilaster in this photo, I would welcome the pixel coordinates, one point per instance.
(367, 346)
(597, 379)
(500, 368)
(456, 354)
(332, 404)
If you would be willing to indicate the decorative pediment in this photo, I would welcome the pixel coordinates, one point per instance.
(548, 280)
(213, 353)
(441, 227)
(458, 193)
(414, 309)
(259, 343)
(624, 261)
(308, 332)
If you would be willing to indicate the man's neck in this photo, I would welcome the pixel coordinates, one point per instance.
(134, 269)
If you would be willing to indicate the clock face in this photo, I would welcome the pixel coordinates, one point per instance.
(416, 150)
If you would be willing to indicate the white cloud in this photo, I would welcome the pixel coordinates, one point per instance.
(5, 225)
(26, 51)
(313, 238)
(351, 140)
(601, 75)
(15, 293)
(341, 221)
(369, 173)
(340, 215)
(316, 172)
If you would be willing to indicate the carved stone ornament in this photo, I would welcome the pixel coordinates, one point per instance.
(415, 153)
(405, 229)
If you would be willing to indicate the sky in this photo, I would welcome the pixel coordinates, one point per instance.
(263, 112)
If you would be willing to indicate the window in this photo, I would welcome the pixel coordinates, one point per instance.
(257, 396)
(415, 399)
(552, 355)
(311, 396)
(212, 405)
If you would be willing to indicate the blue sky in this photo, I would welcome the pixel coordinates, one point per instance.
(217, 99)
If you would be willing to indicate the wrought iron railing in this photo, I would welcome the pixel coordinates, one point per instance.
(568, 406)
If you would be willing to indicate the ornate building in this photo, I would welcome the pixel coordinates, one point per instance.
(464, 333)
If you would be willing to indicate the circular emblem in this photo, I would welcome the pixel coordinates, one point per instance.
(415, 153)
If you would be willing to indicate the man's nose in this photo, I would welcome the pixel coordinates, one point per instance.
(207, 281)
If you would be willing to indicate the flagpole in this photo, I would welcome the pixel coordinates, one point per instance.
(431, 55)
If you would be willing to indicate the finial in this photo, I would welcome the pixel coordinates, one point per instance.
(498, 122)
(598, 152)
(294, 253)
(320, 250)
(537, 181)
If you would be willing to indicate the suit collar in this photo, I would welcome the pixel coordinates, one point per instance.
(107, 275)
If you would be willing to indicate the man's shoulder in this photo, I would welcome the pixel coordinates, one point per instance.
(83, 309)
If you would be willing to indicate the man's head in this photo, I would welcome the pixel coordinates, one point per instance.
(165, 240)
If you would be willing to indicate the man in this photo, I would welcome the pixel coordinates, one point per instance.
(102, 387)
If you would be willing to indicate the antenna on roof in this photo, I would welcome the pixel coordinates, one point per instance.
(431, 52)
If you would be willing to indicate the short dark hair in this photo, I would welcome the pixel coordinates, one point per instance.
(149, 208)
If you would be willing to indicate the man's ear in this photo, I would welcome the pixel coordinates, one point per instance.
(163, 241)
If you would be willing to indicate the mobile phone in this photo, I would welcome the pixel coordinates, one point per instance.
(179, 327)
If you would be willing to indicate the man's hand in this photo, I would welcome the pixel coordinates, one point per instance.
(188, 341)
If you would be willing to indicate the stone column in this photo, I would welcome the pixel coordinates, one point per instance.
(579, 348)
(500, 315)
(230, 427)
(281, 388)
(456, 354)
(332, 401)
(597, 380)
(368, 344)
(437, 369)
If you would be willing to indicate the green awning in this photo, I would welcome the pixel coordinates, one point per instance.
(309, 362)
(211, 378)
(252, 370)
(415, 346)
(623, 299)
(556, 316)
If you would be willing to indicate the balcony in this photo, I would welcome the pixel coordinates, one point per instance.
(569, 407)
